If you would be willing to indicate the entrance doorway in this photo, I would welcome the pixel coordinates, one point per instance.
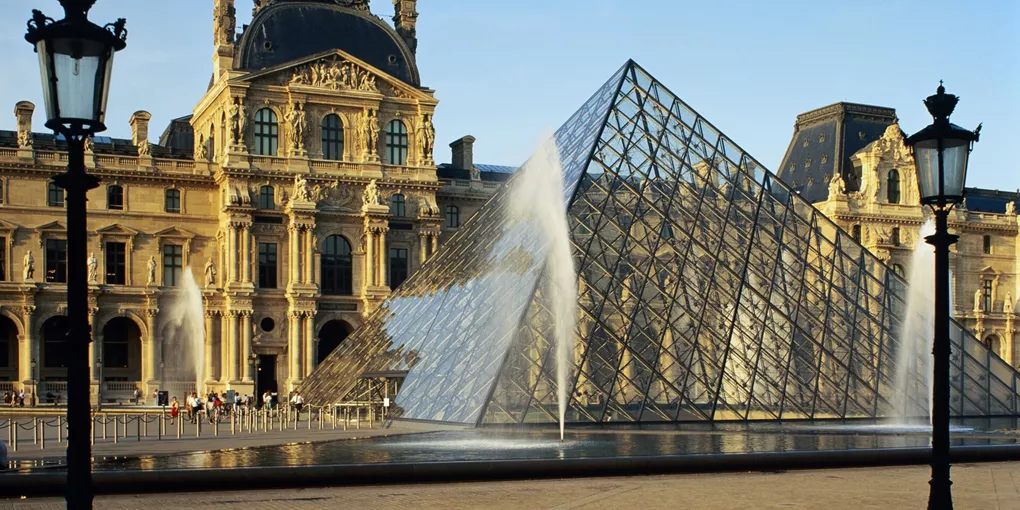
(265, 379)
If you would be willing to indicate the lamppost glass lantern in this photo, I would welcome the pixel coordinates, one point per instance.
(940, 153)
(75, 61)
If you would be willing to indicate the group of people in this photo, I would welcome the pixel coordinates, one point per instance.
(214, 406)
(15, 399)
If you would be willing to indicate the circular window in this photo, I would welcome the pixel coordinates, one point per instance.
(267, 324)
(267, 45)
(393, 59)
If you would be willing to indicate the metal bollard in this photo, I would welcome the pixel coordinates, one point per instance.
(264, 417)
(42, 436)
(15, 441)
(180, 426)
(371, 417)
(10, 430)
(359, 418)
(35, 432)
(347, 417)
(60, 434)
(145, 428)
(93, 431)
(216, 427)
(159, 427)
(116, 433)
(198, 425)
(232, 423)
(138, 427)
(104, 421)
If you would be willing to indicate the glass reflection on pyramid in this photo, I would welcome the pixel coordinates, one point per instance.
(707, 291)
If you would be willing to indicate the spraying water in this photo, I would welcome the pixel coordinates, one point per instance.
(916, 338)
(538, 198)
(184, 337)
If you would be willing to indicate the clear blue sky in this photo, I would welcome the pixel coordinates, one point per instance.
(505, 71)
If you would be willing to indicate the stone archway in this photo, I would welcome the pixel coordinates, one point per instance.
(994, 344)
(8, 351)
(332, 335)
(121, 354)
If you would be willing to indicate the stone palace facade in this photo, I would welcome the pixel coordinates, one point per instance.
(300, 190)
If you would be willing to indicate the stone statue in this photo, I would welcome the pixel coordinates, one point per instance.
(144, 149)
(837, 186)
(93, 265)
(977, 300)
(475, 174)
(201, 151)
(430, 139)
(1007, 307)
(302, 193)
(90, 145)
(297, 120)
(1011, 208)
(210, 273)
(29, 266)
(372, 130)
(419, 137)
(237, 120)
(371, 196)
(151, 266)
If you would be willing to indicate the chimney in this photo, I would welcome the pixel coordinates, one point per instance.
(405, 18)
(23, 114)
(140, 127)
(463, 152)
(224, 33)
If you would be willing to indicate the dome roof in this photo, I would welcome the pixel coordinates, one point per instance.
(288, 30)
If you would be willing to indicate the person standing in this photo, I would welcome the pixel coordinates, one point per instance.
(137, 395)
(196, 407)
(175, 409)
(298, 402)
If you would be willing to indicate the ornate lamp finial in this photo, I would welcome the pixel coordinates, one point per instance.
(941, 105)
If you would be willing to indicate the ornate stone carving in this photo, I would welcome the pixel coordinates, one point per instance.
(201, 151)
(29, 266)
(428, 138)
(24, 139)
(1011, 208)
(1007, 306)
(237, 113)
(334, 74)
(301, 193)
(335, 195)
(90, 145)
(297, 120)
(977, 300)
(371, 195)
(144, 148)
(837, 186)
(371, 126)
(224, 22)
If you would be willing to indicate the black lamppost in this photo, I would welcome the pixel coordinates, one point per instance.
(940, 155)
(254, 359)
(76, 61)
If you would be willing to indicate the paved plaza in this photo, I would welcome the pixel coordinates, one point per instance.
(992, 486)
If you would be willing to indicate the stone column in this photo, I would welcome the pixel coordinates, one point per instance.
(26, 347)
(234, 347)
(308, 349)
(369, 258)
(150, 353)
(381, 277)
(295, 254)
(95, 348)
(245, 325)
(294, 346)
(210, 365)
(231, 257)
(306, 259)
(225, 347)
(422, 240)
(246, 245)
(435, 244)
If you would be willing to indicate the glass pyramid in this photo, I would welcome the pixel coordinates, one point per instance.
(707, 291)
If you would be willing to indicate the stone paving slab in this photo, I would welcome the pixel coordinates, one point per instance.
(991, 486)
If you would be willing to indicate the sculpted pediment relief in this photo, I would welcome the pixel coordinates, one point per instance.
(53, 226)
(174, 232)
(117, 229)
(336, 71)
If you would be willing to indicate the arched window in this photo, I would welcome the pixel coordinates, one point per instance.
(172, 201)
(893, 187)
(452, 216)
(894, 238)
(332, 137)
(397, 205)
(396, 143)
(898, 269)
(993, 344)
(337, 270)
(114, 197)
(267, 132)
(855, 231)
(267, 198)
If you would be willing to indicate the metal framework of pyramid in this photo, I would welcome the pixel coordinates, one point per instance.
(707, 291)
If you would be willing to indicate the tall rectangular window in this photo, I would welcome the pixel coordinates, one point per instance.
(115, 197)
(173, 264)
(56, 260)
(398, 266)
(116, 263)
(3, 259)
(986, 245)
(54, 195)
(988, 295)
(267, 265)
(172, 201)
(855, 232)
